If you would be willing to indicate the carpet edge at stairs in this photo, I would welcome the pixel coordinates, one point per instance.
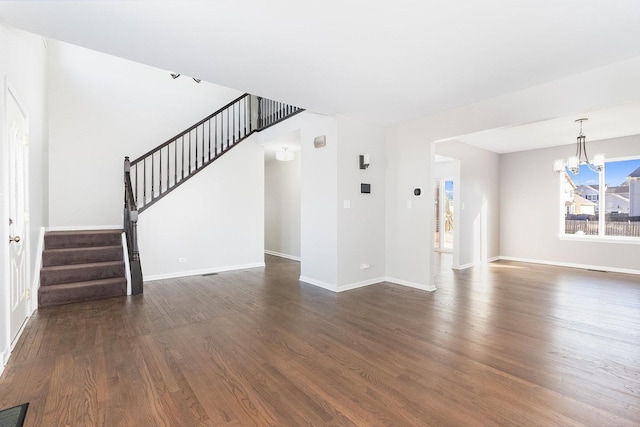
(78, 266)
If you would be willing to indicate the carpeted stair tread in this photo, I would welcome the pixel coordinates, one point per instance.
(82, 238)
(53, 257)
(65, 293)
(81, 272)
(81, 265)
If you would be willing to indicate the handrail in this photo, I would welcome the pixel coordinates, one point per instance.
(161, 170)
(186, 131)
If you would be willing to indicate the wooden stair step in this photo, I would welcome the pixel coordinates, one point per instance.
(81, 272)
(53, 257)
(65, 293)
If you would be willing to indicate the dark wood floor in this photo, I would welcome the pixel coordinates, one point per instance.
(511, 344)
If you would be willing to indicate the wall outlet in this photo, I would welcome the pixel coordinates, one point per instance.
(181, 259)
(364, 266)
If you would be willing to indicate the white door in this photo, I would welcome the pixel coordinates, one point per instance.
(18, 213)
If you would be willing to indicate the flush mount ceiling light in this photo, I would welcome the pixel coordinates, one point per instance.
(284, 155)
(581, 158)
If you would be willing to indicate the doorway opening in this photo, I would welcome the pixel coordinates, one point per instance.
(444, 215)
(282, 213)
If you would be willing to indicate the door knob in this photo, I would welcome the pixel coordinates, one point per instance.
(14, 239)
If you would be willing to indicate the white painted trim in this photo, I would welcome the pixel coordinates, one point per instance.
(278, 254)
(84, 227)
(319, 283)
(35, 285)
(364, 283)
(573, 265)
(201, 272)
(464, 266)
(473, 264)
(4, 358)
(127, 267)
(369, 282)
(17, 337)
(429, 288)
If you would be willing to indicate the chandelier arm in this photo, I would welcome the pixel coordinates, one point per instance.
(583, 147)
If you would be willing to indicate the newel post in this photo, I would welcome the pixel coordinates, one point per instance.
(131, 231)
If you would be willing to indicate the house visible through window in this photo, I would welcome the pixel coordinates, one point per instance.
(605, 203)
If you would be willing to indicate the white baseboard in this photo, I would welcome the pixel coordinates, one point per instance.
(361, 284)
(429, 288)
(84, 227)
(573, 265)
(318, 283)
(4, 358)
(342, 288)
(278, 254)
(473, 264)
(464, 266)
(369, 282)
(201, 272)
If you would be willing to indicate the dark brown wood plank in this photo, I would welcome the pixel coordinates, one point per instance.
(507, 344)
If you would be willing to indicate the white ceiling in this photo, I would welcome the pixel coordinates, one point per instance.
(608, 123)
(381, 61)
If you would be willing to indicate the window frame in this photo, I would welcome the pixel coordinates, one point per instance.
(600, 237)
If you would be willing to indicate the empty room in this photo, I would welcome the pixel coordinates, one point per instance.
(286, 213)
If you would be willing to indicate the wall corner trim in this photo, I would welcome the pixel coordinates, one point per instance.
(429, 288)
(319, 283)
(361, 284)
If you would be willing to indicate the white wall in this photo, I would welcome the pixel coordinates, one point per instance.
(282, 207)
(361, 227)
(215, 221)
(409, 224)
(335, 240)
(477, 204)
(103, 108)
(318, 195)
(530, 220)
(409, 152)
(23, 64)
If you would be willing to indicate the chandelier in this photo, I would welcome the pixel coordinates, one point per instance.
(581, 158)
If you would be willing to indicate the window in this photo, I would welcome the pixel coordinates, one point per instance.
(605, 203)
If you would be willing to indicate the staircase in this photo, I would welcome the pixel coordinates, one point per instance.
(89, 265)
(81, 266)
(155, 174)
